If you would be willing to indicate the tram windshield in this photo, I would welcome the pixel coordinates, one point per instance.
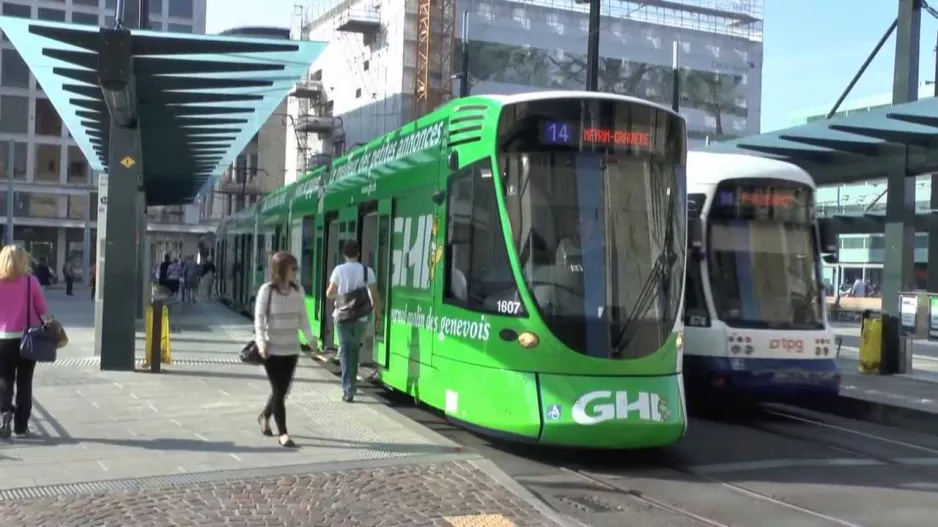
(599, 229)
(764, 257)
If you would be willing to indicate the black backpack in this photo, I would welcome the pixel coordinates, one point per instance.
(354, 305)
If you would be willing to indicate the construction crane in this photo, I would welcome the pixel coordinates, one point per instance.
(436, 20)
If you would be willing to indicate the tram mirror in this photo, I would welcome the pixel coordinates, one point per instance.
(695, 238)
(439, 197)
(453, 161)
(828, 236)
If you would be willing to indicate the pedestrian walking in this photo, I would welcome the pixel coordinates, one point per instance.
(68, 273)
(279, 314)
(24, 306)
(353, 287)
(192, 272)
(93, 274)
(208, 278)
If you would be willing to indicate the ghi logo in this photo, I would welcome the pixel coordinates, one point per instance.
(414, 261)
(597, 407)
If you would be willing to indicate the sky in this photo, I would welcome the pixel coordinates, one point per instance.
(812, 48)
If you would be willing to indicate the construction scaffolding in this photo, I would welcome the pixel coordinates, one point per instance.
(310, 112)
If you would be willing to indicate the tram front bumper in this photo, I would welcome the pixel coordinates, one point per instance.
(763, 378)
(611, 412)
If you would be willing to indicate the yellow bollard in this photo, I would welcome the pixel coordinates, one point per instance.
(166, 354)
(871, 345)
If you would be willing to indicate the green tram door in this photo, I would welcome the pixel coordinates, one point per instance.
(339, 230)
(382, 267)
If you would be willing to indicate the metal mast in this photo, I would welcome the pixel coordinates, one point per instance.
(436, 21)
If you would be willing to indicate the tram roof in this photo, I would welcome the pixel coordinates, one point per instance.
(856, 147)
(710, 168)
(542, 95)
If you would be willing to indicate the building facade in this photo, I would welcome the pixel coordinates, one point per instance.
(53, 184)
(368, 72)
(861, 255)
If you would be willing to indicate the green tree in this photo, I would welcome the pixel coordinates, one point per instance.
(528, 66)
(489, 61)
(620, 76)
(712, 92)
(486, 60)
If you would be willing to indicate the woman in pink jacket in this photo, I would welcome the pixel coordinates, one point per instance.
(22, 304)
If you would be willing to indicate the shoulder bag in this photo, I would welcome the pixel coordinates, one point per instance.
(250, 353)
(354, 305)
(39, 343)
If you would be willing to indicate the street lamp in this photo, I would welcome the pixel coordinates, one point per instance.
(592, 46)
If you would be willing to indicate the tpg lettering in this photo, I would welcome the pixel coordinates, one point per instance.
(795, 345)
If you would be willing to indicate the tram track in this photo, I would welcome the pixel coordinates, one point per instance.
(673, 487)
(640, 496)
(859, 452)
(700, 519)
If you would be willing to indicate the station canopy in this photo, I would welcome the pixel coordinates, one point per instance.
(859, 146)
(199, 99)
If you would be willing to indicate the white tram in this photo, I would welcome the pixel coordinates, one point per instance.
(756, 326)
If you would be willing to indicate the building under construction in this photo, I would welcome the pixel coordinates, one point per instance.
(390, 61)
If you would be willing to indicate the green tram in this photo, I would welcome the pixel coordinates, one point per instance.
(530, 250)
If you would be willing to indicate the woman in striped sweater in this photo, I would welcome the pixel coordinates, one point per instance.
(279, 313)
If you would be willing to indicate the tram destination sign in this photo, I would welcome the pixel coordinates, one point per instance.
(567, 133)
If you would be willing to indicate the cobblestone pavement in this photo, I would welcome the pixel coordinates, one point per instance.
(445, 494)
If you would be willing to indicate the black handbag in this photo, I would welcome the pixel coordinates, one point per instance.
(250, 353)
(38, 343)
(354, 305)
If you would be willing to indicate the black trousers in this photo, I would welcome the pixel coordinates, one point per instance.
(69, 283)
(280, 370)
(16, 372)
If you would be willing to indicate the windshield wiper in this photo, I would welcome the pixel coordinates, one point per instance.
(660, 277)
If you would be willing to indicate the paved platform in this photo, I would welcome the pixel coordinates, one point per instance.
(183, 447)
(906, 401)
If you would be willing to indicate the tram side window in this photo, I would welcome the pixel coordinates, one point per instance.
(478, 272)
(261, 262)
(308, 254)
(695, 304)
(278, 239)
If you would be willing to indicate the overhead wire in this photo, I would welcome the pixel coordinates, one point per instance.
(930, 10)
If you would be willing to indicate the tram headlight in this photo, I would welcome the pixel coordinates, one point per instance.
(528, 340)
(679, 347)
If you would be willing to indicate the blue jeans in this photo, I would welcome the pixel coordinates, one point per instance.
(350, 345)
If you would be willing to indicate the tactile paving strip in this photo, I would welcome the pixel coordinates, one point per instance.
(480, 520)
(94, 361)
